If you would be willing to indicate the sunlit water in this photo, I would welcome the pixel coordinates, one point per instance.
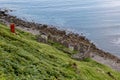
(99, 20)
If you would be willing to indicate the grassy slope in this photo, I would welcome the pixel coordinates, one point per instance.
(22, 58)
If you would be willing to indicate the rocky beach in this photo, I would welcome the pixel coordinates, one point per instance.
(73, 41)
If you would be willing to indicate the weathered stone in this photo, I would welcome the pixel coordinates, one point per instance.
(77, 47)
(78, 56)
(64, 43)
(43, 38)
(71, 47)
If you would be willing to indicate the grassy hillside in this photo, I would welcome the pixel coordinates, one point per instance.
(22, 58)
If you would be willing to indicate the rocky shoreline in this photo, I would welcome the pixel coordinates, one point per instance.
(70, 40)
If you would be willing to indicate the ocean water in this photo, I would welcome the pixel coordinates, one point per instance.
(99, 20)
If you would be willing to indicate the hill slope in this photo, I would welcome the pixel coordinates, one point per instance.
(22, 58)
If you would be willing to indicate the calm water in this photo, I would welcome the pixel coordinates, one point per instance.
(99, 20)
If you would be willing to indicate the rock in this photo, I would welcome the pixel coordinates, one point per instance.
(78, 56)
(71, 47)
(43, 38)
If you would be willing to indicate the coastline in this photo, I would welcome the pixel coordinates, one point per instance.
(35, 28)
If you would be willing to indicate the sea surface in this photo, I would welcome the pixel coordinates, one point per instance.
(99, 20)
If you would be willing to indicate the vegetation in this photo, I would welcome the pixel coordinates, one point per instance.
(22, 58)
(62, 48)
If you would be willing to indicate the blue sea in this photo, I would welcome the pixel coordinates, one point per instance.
(98, 20)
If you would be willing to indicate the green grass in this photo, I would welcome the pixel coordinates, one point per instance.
(62, 47)
(22, 58)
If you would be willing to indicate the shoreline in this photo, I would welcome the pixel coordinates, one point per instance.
(35, 28)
